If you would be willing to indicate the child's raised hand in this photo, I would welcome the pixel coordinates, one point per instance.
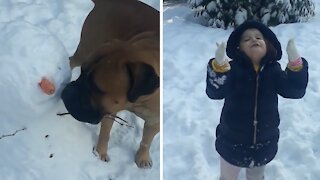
(220, 54)
(221, 64)
(292, 51)
(295, 61)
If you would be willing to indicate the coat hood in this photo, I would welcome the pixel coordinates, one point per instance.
(234, 39)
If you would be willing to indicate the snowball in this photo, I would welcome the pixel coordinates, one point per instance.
(27, 54)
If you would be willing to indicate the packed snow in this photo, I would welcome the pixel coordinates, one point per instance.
(37, 37)
(190, 117)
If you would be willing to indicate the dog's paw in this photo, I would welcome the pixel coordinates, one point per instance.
(143, 159)
(103, 155)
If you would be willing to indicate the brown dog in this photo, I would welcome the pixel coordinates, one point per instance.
(119, 58)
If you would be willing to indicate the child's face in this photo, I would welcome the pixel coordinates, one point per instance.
(253, 45)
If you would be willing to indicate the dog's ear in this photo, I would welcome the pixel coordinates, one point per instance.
(143, 80)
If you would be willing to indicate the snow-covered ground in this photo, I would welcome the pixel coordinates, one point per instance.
(190, 117)
(37, 37)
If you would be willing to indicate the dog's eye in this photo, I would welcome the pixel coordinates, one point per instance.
(93, 86)
(97, 89)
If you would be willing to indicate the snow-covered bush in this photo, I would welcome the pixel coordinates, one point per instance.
(226, 13)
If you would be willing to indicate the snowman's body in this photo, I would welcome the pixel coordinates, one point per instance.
(27, 54)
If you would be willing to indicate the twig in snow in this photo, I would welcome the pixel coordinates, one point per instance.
(108, 116)
(13, 134)
(114, 118)
(62, 114)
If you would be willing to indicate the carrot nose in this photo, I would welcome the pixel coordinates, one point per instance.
(47, 86)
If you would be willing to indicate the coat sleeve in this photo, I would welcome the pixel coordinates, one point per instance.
(217, 85)
(291, 84)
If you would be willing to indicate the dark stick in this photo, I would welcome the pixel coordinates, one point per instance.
(6, 135)
(62, 114)
(114, 118)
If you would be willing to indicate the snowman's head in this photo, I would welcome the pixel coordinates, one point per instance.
(113, 79)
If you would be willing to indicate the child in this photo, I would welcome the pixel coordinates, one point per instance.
(247, 135)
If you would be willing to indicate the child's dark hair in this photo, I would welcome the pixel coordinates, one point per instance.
(271, 50)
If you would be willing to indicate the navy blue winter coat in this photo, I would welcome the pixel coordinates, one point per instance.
(244, 91)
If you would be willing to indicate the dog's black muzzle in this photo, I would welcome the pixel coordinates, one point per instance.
(76, 98)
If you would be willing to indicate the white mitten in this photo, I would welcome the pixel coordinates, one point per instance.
(220, 54)
(295, 62)
(292, 51)
(221, 64)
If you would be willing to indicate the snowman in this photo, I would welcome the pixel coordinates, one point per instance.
(34, 68)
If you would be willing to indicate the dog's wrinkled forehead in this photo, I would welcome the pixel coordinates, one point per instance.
(124, 70)
(110, 75)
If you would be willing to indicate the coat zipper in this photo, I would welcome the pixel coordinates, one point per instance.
(255, 118)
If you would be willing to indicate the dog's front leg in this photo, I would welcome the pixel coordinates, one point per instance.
(142, 157)
(102, 146)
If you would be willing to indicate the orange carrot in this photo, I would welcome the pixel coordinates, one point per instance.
(47, 86)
